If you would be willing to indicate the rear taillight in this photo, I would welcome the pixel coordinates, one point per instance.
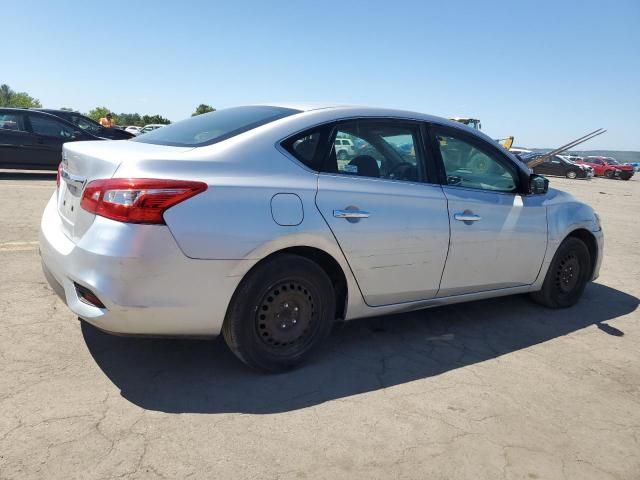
(58, 175)
(137, 200)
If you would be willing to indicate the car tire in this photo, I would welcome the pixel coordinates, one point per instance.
(567, 277)
(608, 173)
(571, 174)
(280, 312)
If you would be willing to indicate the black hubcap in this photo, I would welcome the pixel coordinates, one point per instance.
(568, 273)
(285, 314)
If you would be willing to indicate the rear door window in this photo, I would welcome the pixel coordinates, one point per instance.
(387, 149)
(12, 122)
(50, 127)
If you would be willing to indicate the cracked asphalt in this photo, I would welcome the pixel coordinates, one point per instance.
(488, 390)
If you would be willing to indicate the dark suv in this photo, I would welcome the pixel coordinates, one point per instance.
(31, 139)
(89, 125)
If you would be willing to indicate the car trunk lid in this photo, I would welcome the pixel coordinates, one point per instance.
(83, 162)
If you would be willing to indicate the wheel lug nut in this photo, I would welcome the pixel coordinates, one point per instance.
(294, 321)
(284, 325)
(295, 309)
(286, 305)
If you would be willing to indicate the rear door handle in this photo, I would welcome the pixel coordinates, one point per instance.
(467, 217)
(350, 214)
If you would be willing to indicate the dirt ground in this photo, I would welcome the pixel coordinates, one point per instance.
(494, 389)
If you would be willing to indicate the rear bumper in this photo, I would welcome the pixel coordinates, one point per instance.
(146, 283)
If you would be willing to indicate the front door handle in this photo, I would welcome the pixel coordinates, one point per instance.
(350, 214)
(467, 217)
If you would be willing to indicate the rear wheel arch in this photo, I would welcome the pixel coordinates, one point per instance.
(324, 260)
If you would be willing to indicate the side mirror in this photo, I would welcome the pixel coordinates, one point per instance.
(538, 185)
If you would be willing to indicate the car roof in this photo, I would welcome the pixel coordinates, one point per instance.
(52, 110)
(354, 111)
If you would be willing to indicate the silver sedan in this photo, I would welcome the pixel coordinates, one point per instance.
(245, 222)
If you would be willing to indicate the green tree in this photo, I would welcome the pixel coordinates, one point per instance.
(203, 108)
(98, 113)
(147, 119)
(130, 119)
(11, 98)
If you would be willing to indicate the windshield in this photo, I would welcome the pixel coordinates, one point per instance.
(214, 127)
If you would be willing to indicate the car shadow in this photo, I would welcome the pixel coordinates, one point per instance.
(194, 376)
(28, 175)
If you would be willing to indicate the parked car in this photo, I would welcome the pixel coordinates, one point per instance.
(635, 165)
(150, 128)
(344, 148)
(31, 139)
(607, 167)
(88, 125)
(243, 222)
(519, 151)
(558, 166)
(133, 130)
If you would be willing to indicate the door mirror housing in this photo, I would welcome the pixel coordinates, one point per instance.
(538, 185)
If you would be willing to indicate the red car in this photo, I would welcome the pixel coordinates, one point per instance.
(607, 167)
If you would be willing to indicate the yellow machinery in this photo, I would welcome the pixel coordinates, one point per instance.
(507, 142)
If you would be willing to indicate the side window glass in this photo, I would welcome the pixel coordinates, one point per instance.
(377, 149)
(84, 124)
(467, 166)
(50, 127)
(306, 147)
(11, 122)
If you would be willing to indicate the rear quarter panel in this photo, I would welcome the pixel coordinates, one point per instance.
(232, 219)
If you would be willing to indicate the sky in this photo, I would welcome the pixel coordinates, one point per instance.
(544, 71)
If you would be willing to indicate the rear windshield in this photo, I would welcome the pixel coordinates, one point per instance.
(214, 127)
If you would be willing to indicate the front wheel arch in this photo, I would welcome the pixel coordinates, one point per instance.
(590, 240)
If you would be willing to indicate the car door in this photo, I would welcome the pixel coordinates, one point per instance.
(389, 220)
(557, 167)
(49, 134)
(544, 168)
(498, 235)
(597, 165)
(15, 140)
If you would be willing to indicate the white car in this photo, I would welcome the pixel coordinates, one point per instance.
(243, 222)
(133, 130)
(150, 128)
(345, 148)
(519, 151)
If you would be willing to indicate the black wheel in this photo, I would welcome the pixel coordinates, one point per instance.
(280, 312)
(567, 276)
(608, 173)
(571, 174)
(342, 155)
